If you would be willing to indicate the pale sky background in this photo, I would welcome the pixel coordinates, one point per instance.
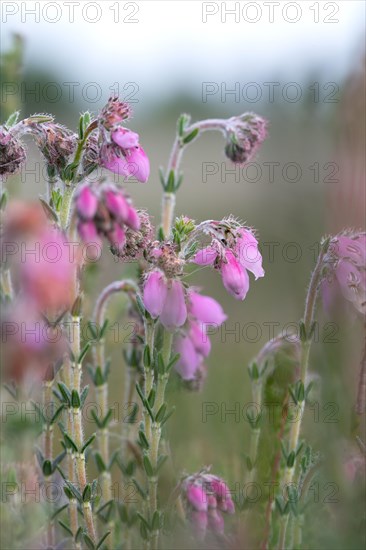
(171, 49)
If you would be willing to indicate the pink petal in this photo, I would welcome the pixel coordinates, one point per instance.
(155, 293)
(125, 138)
(234, 277)
(206, 256)
(174, 312)
(206, 309)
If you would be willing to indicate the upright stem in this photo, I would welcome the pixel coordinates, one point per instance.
(156, 432)
(306, 339)
(99, 358)
(78, 428)
(48, 449)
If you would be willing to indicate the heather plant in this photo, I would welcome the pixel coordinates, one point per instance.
(85, 213)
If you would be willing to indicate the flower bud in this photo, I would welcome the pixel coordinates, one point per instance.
(245, 134)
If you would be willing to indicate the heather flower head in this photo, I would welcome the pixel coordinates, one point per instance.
(12, 153)
(233, 251)
(105, 211)
(244, 134)
(206, 496)
(120, 150)
(346, 271)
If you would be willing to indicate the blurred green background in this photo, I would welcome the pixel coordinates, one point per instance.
(166, 58)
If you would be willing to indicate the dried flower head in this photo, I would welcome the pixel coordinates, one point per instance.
(137, 241)
(55, 142)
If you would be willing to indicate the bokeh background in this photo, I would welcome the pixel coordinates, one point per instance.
(162, 57)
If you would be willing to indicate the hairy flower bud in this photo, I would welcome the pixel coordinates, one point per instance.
(245, 134)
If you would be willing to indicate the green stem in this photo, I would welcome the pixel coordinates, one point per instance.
(48, 449)
(306, 340)
(175, 159)
(66, 206)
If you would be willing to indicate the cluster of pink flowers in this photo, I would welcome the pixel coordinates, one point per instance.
(121, 151)
(346, 273)
(193, 343)
(186, 309)
(233, 251)
(206, 496)
(104, 210)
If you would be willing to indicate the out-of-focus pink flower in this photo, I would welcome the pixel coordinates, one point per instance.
(216, 522)
(86, 203)
(117, 237)
(47, 276)
(174, 313)
(133, 219)
(88, 232)
(234, 277)
(189, 360)
(199, 521)
(116, 204)
(104, 210)
(155, 293)
(346, 275)
(200, 340)
(32, 346)
(197, 497)
(205, 496)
